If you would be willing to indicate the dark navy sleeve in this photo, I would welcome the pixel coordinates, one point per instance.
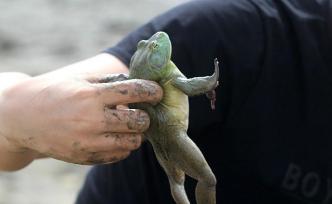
(269, 139)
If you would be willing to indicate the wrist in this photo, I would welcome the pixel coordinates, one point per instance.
(12, 155)
(9, 79)
(8, 84)
(13, 158)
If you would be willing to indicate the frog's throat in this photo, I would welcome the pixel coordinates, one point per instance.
(164, 105)
(167, 82)
(168, 74)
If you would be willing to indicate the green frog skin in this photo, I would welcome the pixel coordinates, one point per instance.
(175, 151)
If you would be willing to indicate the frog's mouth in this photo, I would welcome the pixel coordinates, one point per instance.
(160, 36)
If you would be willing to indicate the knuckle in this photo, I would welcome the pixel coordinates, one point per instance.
(123, 76)
(97, 126)
(117, 87)
(113, 115)
(127, 142)
(85, 120)
(135, 141)
(113, 78)
(84, 92)
(146, 88)
(93, 123)
(116, 139)
(139, 120)
(154, 91)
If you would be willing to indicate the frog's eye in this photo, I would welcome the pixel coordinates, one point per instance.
(141, 43)
(153, 45)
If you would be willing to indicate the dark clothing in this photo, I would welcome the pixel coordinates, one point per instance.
(269, 141)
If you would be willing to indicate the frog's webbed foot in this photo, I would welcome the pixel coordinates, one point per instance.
(113, 78)
(200, 85)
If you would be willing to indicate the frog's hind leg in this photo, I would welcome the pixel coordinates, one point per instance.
(176, 178)
(189, 158)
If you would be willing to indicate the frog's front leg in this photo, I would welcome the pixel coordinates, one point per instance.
(200, 85)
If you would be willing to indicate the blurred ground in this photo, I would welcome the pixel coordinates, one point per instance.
(40, 35)
(37, 36)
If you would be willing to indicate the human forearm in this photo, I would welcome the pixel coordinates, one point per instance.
(9, 159)
(98, 65)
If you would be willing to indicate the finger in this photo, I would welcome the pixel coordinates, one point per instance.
(125, 120)
(113, 141)
(109, 78)
(127, 142)
(104, 157)
(122, 107)
(113, 78)
(129, 91)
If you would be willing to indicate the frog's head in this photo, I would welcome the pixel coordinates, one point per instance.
(152, 57)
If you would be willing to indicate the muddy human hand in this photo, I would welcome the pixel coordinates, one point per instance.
(75, 119)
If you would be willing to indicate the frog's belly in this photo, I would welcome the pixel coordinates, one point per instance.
(168, 119)
(175, 107)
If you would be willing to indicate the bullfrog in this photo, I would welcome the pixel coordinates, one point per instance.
(175, 151)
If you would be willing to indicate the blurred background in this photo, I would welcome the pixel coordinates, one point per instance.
(37, 36)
